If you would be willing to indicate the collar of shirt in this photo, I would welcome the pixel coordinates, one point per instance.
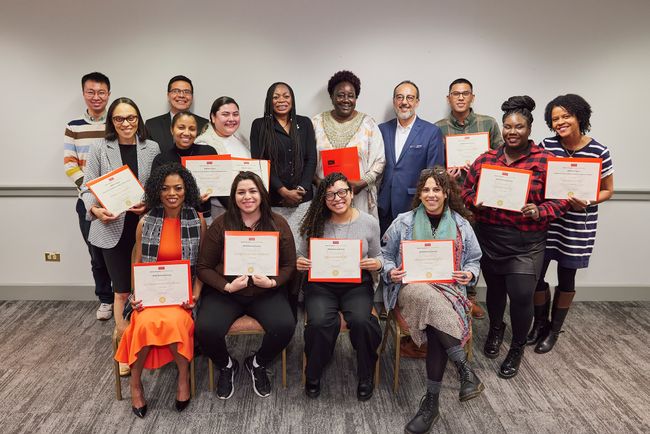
(500, 152)
(92, 120)
(468, 120)
(406, 129)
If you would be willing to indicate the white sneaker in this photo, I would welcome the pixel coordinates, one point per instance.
(105, 312)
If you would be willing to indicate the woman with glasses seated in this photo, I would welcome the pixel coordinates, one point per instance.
(436, 313)
(331, 215)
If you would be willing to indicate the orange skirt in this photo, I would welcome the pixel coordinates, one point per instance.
(157, 327)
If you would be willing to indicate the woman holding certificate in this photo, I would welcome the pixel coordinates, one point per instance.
(436, 310)
(114, 233)
(233, 288)
(170, 231)
(571, 237)
(345, 127)
(333, 230)
(505, 189)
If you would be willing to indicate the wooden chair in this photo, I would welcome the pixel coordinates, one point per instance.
(344, 329)
(116, 371)
(396, 325)
(246, 325)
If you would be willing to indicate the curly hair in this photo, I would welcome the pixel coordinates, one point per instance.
(156, 180)
(232, 217)
(448, 185)
(343, 76)
(523, 105)
(575, 105)
(313, 223)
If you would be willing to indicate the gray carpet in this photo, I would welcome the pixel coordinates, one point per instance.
(56, 376)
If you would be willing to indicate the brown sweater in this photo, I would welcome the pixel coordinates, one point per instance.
(210, 264)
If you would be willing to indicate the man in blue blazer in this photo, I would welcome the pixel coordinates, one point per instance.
(411, 145)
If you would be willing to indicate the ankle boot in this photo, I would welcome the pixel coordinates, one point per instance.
(494, 340)
(426, 416)
(561, 308)
(470, 384)
(541, 324)
(510, 366)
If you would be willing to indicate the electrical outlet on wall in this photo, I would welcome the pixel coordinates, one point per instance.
(52, 257)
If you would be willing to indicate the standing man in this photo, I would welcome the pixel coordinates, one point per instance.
(463, 120)
(80, 134)
(180, 94)
(411, 145)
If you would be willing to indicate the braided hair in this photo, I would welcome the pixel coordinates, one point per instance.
(313, 224)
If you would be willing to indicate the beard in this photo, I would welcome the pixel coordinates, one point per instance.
(405, 115)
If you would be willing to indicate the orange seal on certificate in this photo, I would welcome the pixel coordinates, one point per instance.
(251, 269)
(499, 202)
(429, 275)
(570, 194)
(335, 273)
(162, 300)
(128, 203)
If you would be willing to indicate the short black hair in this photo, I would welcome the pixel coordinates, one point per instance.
(461, 81)
(179, 78)
(216, 105)
(417, 89)
(155, 182)
(575, 105)
(96, 76)
(180, 114)
(524, 105)
(110, 133)
(341, 77)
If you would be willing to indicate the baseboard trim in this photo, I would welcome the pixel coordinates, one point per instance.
(600, 293)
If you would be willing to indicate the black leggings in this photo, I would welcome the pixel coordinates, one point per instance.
(437, 344)
(566, 278)
(118, 258)
(520, 289)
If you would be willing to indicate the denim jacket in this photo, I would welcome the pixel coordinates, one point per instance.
(402, 229)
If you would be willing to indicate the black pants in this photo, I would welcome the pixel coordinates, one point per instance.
(520, 288)
(118, 258)
(438, 343)
(566, 278)
(103, 288)
(218, 311)
(323, 303)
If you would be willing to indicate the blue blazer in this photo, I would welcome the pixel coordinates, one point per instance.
(424, 148)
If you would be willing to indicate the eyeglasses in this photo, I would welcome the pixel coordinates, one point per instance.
(400, 98)
(464, 94)
(341, 193)
(177, 92)
(100, 93)
(120, 119)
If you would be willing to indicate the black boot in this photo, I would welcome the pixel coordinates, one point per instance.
(426, 416)
(494, 341)
(541, 324)
(510, 366)
(470, 384)
(560, 309)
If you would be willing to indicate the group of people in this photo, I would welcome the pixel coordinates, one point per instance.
(405, 192)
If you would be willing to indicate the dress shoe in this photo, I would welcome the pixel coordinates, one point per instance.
(510, 366)
(365, 389)
(140, 412)
(477, 311)
(312, 388)
(181, 405)
(470, 384)
(493, 341)
(426, 416)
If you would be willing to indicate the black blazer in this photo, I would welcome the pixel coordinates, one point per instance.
(159, 130)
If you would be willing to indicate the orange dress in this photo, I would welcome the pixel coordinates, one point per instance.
(157, 327)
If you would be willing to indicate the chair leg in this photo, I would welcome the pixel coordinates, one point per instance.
(304, 368)
(470, 347)
(377, 368)
(116, 372)
(398, 334)
(192, 379)
(284, 368)
(210, 375)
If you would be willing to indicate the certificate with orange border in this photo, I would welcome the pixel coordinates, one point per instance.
(335, 260)
(261, 168)
(343, 160)
(167, 283)
(573, 177)
(212, 173)
(503, 187)
(251, 253)
(463, 149)
(431, 261)
(118, 190)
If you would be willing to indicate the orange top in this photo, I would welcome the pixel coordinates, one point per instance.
(169, 248)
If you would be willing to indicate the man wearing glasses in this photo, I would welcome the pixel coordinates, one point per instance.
(463, 120)
(80, 134)
(180, 94)
(410, 144)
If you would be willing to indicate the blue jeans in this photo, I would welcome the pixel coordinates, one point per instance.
(103, 288)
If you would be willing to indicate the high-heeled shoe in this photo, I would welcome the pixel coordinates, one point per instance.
(140, 412)
(182, 405)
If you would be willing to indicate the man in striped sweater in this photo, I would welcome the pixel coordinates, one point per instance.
(80, 134)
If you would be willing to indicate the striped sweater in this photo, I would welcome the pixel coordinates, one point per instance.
(79, 135)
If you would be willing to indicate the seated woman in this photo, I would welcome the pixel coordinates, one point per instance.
(437, 313)
(171, 230)
(226, 298)
(331, 215)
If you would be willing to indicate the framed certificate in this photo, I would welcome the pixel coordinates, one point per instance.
(162, 283)
(335, 260)
(463, 149)
(503, 187)
(428, 261)
(573, 177)
(212, 173)
(118, 190)
(248, 253)
(343, 160)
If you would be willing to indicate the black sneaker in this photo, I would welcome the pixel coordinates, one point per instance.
(225, 387)
(261, 383)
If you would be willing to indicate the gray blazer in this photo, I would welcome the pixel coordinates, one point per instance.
(103, 158)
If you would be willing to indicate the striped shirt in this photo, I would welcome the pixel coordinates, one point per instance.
(571, 237)
(79, 135)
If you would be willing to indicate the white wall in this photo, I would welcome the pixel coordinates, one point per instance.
(595, 48)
